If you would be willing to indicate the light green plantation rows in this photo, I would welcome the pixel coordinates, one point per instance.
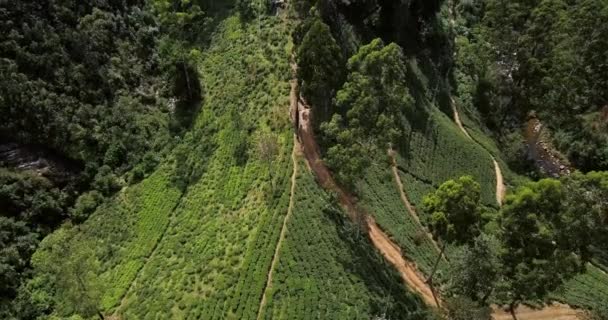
(121, 234)
(585, 290)
(380, 197)
(441, 152)
(214, 259)
(327, 268)
(125, 240)
(158, 254)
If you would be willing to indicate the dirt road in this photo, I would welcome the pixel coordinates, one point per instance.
(380, 240)
(392, 253)
(552, 312)
(500, 185)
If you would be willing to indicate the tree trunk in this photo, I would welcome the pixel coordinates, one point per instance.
(187, 79)
(486, 296)
(512, 309)
(270, 174)
(430, 278)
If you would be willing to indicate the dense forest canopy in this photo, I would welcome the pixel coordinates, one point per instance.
(545, 57)
(94, 83)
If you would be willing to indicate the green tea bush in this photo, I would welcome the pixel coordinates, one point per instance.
(328, 271)
(585, 289)
(215, 257)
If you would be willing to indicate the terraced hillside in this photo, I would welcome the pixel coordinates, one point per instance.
(327, 268)
(237, 223)
(205, 252)
(215, 256)
(208, 251)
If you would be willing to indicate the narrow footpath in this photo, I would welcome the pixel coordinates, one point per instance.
(554, 311)
(500, 185)
(406, 202)
(275, 257)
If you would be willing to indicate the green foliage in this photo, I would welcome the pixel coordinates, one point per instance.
(319, 68)
(453, 213)
(462, 308)
(477, 268)
(32, 199)
(183, 20)
(17, 243)
(246, 9)
(544, 56)
(73, 272)
(411, 24)
(328, 269)
(370, 106)
(346, 157)
(85, 205)
(454, 210)
(106, 181)
(544, 225)
(90, 74)
(31, 207)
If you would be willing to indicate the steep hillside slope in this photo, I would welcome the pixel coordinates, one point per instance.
(328, 268)
(206, 251)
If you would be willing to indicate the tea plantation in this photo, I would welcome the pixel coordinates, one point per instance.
(327, 268)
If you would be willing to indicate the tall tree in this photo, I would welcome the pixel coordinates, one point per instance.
(370, 107)
(547, 228)
(454, 213)
(319, 68)
(476, 270)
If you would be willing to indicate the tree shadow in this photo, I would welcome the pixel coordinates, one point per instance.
(391, 296)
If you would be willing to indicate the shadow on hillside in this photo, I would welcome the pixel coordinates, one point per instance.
(390, 296)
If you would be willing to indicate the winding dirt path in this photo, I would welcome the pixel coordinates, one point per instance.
(554, 311)
(275, 257)
(500, 185)
(412, 278)
(409, 273)
(391, 251)
(406, 201)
